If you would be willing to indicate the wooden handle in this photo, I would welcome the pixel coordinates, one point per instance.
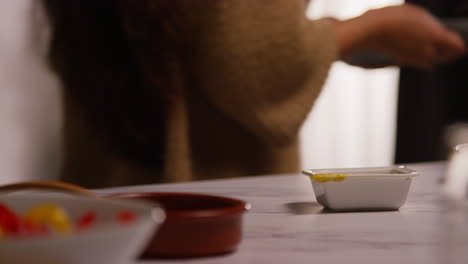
(47, 185)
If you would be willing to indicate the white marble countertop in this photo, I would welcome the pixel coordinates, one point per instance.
(286, 225)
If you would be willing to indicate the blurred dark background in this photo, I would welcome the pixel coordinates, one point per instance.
(430, 102)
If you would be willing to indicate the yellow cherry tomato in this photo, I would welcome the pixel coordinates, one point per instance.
(50, 215)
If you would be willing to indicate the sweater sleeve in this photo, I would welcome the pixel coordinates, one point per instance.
(261, 62)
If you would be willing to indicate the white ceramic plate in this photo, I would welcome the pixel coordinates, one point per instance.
(108, 241)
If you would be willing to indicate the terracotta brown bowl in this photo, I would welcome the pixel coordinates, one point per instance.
(196, 224)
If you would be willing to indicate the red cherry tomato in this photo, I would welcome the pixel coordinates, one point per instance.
(28, 228)
(9, 222)
(86, 221)
(126, 217)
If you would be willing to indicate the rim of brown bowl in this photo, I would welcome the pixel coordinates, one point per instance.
(233, 206)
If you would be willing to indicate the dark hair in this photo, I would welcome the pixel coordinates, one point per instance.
(116, 61)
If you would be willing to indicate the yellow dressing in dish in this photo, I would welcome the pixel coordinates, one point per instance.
(329, 177)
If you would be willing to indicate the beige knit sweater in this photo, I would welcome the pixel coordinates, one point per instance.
(256, 68)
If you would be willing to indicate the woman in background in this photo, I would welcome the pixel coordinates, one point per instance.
(167, 90)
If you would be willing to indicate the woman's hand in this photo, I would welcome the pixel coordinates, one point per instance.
(406, 33)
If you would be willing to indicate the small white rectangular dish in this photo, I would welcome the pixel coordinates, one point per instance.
(362, 189)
